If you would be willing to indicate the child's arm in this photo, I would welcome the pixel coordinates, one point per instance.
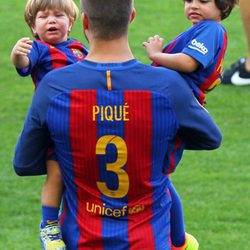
(20, 51)
(179, 61)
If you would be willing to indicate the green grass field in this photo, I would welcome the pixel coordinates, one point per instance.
(214, 185)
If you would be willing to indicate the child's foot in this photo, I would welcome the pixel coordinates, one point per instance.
(190, 244)
(51, 237)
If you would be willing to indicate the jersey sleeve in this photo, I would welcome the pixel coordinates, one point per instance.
(197, 128)
(31, 150)
(205, 42)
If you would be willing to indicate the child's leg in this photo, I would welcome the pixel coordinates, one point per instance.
(177, 229)
(180, 240)
(50, 232)
(51, 193)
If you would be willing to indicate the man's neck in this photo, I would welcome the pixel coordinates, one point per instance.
(117, 50)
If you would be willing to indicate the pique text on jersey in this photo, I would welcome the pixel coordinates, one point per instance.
(110, 112)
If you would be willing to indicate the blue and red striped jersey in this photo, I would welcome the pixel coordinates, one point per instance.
(206, 42)
(114, 126)
(117, 167)
(45, 57)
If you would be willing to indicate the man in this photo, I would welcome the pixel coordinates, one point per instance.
(114, 123)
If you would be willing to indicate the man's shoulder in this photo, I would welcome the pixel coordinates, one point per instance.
(166, 74)
(157, 77)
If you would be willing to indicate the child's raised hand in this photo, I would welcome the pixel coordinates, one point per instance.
(153, 46)
(22, 47)
(20, 51)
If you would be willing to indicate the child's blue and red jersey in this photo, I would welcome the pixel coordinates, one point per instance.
(206, 42)
(114, 126)
(45, 57)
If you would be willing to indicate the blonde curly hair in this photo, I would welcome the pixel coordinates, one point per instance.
(34, 6)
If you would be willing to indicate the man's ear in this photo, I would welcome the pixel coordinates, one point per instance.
(85, 21)
(85, 25)
(132, 17)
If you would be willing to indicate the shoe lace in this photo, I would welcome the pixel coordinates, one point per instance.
(53, 232)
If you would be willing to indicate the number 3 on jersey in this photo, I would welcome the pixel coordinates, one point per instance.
(115, 167)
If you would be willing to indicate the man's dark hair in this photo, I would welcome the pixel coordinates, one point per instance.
(108, 19)
(225, 7)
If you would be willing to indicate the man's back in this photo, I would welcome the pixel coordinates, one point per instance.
(116, 145)
(114, 127)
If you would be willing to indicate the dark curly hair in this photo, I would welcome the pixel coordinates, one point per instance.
(226, 7)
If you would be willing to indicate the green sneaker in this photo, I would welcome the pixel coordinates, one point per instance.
(51, 238)
(190, 244)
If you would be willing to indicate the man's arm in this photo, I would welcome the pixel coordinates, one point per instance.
(33, 142)
(31, 149)
(197, 128)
